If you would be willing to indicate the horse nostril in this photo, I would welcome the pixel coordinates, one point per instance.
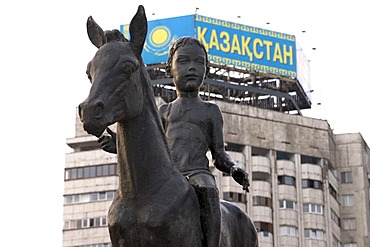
(98, 109)
(80, 110)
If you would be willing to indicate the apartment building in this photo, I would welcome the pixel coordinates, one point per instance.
(309, 187)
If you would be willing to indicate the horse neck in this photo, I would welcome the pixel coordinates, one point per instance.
(144, 159)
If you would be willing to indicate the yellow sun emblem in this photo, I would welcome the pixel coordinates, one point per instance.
(159, 36)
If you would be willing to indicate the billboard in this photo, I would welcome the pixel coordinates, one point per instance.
(161, 33)
(227, 43)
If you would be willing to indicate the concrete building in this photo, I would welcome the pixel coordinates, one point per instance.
(309, 187)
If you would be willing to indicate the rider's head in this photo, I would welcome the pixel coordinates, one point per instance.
(180, 42)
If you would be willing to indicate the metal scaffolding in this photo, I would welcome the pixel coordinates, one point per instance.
(240, 86)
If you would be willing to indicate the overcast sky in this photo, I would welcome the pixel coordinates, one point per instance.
(44, 53)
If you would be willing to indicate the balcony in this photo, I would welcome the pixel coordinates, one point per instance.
(314, 221)
(312, 171)
(288, 241)
(288, 217)
(262, 214)
(286, 167)
(237, 157)
(261, 188)
(311, 195)
(287, 192)
(261, 164)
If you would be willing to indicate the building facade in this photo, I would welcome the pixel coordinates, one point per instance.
(309, 187)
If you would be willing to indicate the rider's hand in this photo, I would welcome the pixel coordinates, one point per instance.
(240, 176)
(108, 142)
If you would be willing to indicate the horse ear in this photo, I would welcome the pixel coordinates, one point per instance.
(138, 29)
(95, 32)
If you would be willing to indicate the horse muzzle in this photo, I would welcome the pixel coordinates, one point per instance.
(92, 117)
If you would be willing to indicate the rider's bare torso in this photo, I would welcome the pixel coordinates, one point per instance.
(188, 129)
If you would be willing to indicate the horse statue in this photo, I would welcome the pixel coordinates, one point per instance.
(154, 204)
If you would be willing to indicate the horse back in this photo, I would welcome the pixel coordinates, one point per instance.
(237, 229)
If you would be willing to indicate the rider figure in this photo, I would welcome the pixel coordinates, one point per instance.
(192, 127)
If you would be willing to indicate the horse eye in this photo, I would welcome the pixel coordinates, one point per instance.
(88, 71)
(128, 70)
(88, 75)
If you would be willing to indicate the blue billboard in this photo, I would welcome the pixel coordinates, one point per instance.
(227, 43)
(247, 47)
(161, 33)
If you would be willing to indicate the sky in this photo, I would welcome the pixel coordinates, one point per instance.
(44, 50)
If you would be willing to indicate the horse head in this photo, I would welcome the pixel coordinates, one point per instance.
(115, 73)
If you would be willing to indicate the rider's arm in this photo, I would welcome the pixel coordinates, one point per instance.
(222, 159)
(162, 110)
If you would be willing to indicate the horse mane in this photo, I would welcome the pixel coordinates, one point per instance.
(149, 97)
(115, 35)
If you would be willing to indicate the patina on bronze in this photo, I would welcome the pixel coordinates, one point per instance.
(154, 204)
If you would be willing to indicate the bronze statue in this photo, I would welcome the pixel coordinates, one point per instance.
(193, 127)
(154, 205)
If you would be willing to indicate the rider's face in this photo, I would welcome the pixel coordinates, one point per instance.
(188, 67)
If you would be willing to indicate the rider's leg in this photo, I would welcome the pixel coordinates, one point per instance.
(209, 202)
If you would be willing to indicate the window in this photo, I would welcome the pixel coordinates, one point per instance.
(234, 147)
(99, 171)
(313, 208)
(347, 200)
(335, 218)
(67, 225)
(309, 160)
(310, 183)
(349, 224)
(350, 245)
(264, 227)
(91, 171)
(261, 176)
(95, 245)
(288, 230)
(110, 195)
(333, 192)
(262, 201)
(102, 196)
(105, 170)
(74, 173)
(86, 172)
(88, 197)
(336, 242)
(103, 221)
(234, 197)
(78, 224)
(68, 199)
(84, 197)
(85, 223)
(112, 169)
(80, 172)
(346, 177)
(314, 234)
(283, 155)
(94, 196)
(286, 204)
(288, 180)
